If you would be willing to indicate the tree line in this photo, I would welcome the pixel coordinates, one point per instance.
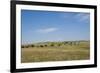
(51, 44)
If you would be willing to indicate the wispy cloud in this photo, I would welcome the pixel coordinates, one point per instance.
(78, 16)
(47, 30)
(83, 16)
(64, 15)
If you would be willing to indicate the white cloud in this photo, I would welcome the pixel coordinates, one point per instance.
(47, 30)
(78, 16)
(82, 16)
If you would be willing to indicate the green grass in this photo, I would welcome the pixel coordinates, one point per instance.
(56, 53)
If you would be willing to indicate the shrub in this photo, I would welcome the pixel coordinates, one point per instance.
(27, 46)
(41, 46)
(45, 45)
(59, 44)
(52, 45)
(65, 43)
(22, 46)
(32, 45)
(70, 43)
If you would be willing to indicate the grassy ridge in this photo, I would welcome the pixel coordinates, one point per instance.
(63, 52)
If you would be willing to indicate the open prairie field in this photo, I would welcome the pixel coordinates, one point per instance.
(55, 51)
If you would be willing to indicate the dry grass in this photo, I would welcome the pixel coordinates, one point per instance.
(62, 53)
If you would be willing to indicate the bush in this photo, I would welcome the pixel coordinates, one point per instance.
(22, 46)
(32, 45)
(65, 42)
(26, 46)
(52, 45)
(59, 44)
(70, 43)
(41, 46)
(45, 45)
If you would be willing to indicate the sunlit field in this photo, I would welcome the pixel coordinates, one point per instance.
(55, 51)
(54, 36)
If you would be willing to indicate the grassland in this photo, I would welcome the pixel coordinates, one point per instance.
(55, 51)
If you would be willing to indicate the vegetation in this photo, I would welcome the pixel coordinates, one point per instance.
(55, 51)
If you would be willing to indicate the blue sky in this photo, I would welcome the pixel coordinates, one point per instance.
(41, 26)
